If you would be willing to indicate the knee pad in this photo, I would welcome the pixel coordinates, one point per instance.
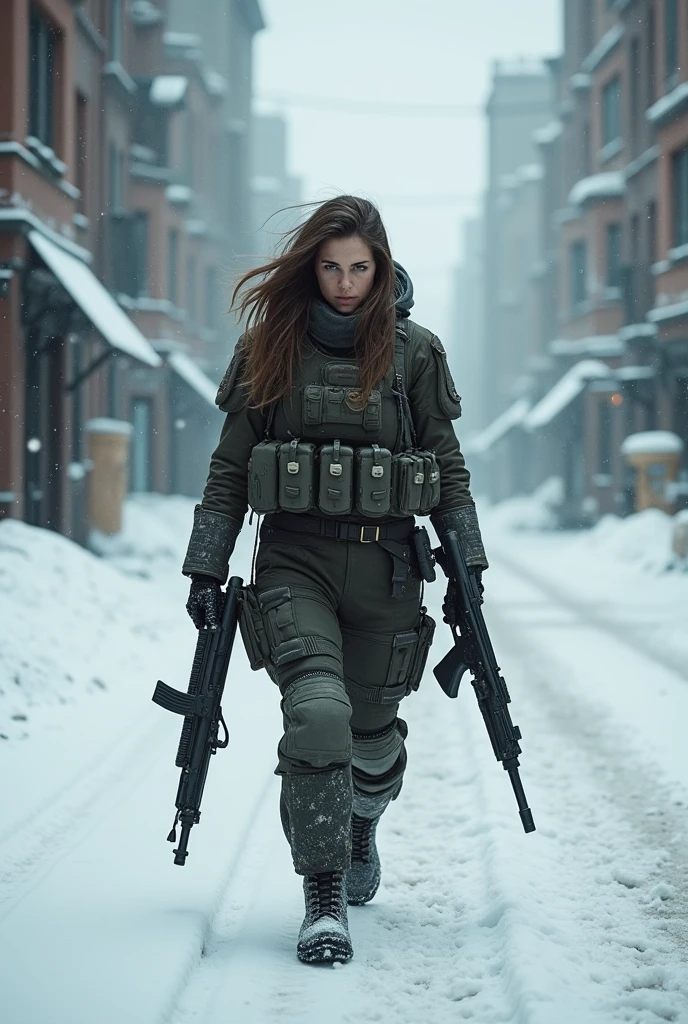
(316, 721)
(376, 754)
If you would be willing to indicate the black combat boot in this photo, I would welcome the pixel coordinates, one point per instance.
(324, 937)
(363, 877)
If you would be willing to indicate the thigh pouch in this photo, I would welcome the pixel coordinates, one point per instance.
(271, 633)
(384, 668)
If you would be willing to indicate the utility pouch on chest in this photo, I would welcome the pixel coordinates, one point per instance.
(409, 481)
(296, 476)
(263, 474)
(328, 405)
(373, 481)
(336, 479)
(430, 496)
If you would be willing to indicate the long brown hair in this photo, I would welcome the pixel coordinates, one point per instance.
(277, 306)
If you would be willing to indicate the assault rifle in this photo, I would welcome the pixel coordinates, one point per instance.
(472, 652)
(202, 713)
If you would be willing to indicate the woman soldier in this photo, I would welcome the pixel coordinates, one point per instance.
(338, 429)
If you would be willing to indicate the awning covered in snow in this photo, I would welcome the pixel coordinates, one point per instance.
(498, 429)
(94, 301)
(192, 375)
(564, 391)
(168, 90)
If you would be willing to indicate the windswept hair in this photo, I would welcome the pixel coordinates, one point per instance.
(277, 305)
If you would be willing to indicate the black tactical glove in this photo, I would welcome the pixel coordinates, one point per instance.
(449, 603)
(205, 601)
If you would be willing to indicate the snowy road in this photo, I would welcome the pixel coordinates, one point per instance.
(583, 921)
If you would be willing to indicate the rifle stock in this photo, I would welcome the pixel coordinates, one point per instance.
(473, 652)
(202, 711)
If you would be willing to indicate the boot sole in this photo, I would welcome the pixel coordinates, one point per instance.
(325, 950)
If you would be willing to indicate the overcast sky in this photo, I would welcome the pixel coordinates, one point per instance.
(433, 52)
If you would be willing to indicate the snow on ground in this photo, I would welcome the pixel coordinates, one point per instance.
(582, 921)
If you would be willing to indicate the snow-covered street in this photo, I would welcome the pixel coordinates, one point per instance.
(586, 920)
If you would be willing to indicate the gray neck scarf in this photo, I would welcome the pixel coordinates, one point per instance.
(332, 329)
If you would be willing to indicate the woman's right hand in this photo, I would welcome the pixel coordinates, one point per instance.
(205, 601)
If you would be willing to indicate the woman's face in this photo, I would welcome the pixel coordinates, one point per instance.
(345, 269)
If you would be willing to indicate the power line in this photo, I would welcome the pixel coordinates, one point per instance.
(392, 108)
(373, 108)
(430, 200)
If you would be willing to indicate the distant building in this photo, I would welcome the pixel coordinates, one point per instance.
(274, 191)
(125, 144)
(608, 350)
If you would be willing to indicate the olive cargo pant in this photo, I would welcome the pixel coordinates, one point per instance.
(344, 653)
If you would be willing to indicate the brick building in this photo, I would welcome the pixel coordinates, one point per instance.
(124, 191)
(611, 357)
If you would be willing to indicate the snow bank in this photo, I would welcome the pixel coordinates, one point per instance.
(537, 511)
(643, 540)
(75, 623)
(652, 442)
(155, 531)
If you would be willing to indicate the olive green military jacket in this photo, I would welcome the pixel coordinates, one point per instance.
(433, 400)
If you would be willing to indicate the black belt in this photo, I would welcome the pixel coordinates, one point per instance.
(318, 526)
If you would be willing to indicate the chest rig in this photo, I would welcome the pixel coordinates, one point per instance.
(326, 458)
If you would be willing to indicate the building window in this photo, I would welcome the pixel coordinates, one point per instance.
(81, 149)
(670, 38)
(613, 255)
(139, 238)
(211, 298)
(116, 172)
(650, 51)
(141, 461)
(579, 274)
(191, 306)
(116, 30)
(679, 179)
(611, 111)
(42, 40)
(587, 33)
(634, 72)
(172, 264)
(604, 437)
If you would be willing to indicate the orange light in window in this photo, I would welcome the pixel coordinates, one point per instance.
(616, 399)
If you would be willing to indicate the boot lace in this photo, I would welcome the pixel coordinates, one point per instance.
(325, 894)
(360, 837)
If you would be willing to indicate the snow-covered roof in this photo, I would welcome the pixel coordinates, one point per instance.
(178, 194)
(593, 345)
(608, 185)
(652, 442)
(550, 132)
(668, 104)
(635, 373)
(530, 172)
(94, 301)
(182, 39)
(215, 83)
(670, 311)
(193, 375)
(168, 90)
(564, 391)
(510, 418)
(104, 425)
(580, 81)
(609, 41)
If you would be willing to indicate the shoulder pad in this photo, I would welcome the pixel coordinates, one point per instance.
(448, 397)
(230, 394)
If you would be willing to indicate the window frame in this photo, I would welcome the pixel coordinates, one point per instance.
(611, 101)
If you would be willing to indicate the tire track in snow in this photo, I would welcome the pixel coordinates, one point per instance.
(614, 873)
(29, 852)
(425, 949)
(593, 615)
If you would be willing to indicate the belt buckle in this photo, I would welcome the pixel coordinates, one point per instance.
(364, 540)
